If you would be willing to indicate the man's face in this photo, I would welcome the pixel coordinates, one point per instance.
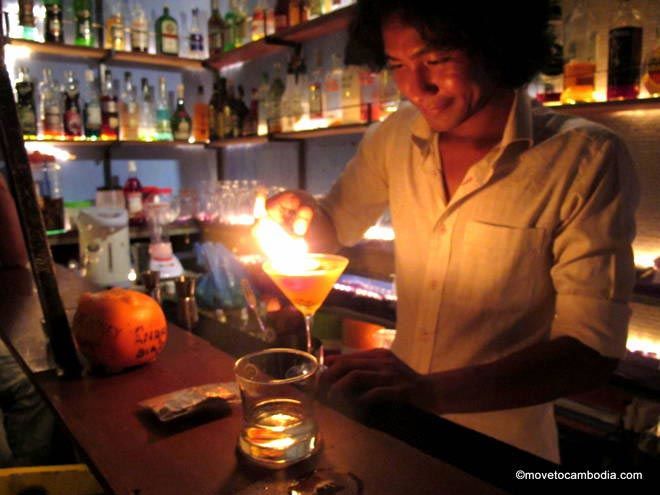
(445, 85)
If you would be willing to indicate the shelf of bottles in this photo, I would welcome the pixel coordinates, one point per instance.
(263, 44)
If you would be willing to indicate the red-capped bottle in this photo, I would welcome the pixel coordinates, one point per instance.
(133, 194)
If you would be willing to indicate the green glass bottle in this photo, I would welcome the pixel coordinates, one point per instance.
(83, 13)
(167, 34)
(181, 121)
(53, 31)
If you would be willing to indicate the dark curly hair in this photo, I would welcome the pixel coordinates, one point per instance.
(510, 38)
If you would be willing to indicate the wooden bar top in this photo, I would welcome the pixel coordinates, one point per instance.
(131, 453)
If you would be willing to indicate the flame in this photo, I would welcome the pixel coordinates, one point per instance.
(287, 253)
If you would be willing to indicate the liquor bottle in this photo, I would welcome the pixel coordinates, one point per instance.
(109, 109)
(270, 20)
(625, 53)
(50, 107)
(290, 105)
(651, 77)
(369, 103)
(163, 115)
(133, 196)
(167, 34)
(252, 120)
(200, 123)
(388, 94)
(241, 23)
(93, 117)
(195, 38)
(25, 106)
(129, 115)
(229, 33)
(53, 31)
(294, 12)
(213, 110)
(216, 29)
(281, 15)
(258, 25)
(231, 113)
(315, 91)
(551, 77)
(350, 95)
(73, 122)
(275, 101)
(223, 114)
(26, 19)
(114, 30)
(315, 8)
(332, 97)
(147, 119)
(262, 106)
(181, 121)
(580, 55)
(139, 30)
(84, 35)
(242, 112)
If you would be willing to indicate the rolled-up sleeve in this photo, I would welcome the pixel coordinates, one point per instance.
(360, 194)
(593, 271)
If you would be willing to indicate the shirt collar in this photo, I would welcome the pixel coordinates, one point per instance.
(518, 127)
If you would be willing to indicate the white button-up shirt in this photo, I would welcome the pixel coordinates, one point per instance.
(534, 244)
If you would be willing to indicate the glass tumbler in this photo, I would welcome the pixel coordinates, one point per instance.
(277, 387)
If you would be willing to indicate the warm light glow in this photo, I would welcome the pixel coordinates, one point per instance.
(48, 149)
(379, 233)
(645, 345)
(600, 95)
(646, 258)
(243, 219)
(307, 124)
(132, 276)
(286, 252)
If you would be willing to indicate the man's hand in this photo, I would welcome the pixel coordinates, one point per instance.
(369, 377)
(293, 210)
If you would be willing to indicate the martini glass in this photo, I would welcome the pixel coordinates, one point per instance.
(307, 283)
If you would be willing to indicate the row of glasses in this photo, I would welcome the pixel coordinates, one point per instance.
(229, 202)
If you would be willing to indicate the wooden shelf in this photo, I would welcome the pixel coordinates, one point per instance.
(342, 130)
(609, 106)
(149, 59)
(116, 144)
(321, 26)
(240, 141)
(59, 50)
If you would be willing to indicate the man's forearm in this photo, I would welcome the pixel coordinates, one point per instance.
(538, 374)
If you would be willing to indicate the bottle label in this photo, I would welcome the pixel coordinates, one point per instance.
(215, 39)
(52, 120)
(73, 122)
(625, 56)
(25, 13)
(139, 38)
(196, 43)
(170, 38)
(93, 117)
(54, 22)
(182, 131)
(134, 202)
(27, 119)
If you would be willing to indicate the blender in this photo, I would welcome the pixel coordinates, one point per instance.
(160, 211)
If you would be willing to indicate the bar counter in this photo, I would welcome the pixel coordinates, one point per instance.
(396, 450)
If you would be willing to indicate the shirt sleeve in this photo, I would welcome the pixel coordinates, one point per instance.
(360, 195)
(593, 271)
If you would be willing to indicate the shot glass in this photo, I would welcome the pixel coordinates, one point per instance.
(277, 387)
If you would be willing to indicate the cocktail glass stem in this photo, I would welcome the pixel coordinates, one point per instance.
(308, 332)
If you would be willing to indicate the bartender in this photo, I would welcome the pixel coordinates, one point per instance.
(513, 224)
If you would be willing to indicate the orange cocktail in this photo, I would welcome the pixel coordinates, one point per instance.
(307, 282)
